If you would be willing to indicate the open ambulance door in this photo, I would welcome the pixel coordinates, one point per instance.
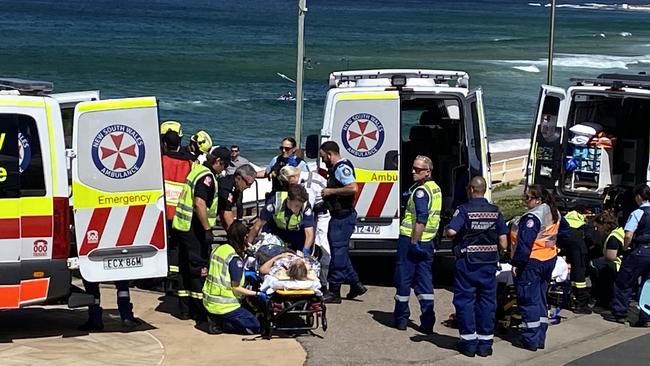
(477, 143)
(117, 187)
(545, 157)
(367, 127)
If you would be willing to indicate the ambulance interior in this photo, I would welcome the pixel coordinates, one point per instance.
(617, 154)
(432, 127)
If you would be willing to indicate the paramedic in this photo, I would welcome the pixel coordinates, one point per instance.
(534, 256)
(479, 231)
(224, 287)
(287, 157)
(339, 200)
(418, 229)
(231, 188)
(637, 262)
(573, 247)
(124, 306)
(603, 270)
(170, 126)
(176, 164)
(314, 184)
(199, 146)
(289, 216)
(195, 216)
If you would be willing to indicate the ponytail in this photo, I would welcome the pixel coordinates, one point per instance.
(538, 191)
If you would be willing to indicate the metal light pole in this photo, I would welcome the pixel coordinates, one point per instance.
(551, 37)
(302, 9)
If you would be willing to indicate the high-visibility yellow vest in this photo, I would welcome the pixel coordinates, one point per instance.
(218, 297)
(435, 204)
(185, 209)
(279, 217)
(618, 234)
(575, 219)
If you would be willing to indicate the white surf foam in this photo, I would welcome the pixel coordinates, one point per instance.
(535, 4)
(625, 34)
(529, 68)
(584, 61)
(500, 146)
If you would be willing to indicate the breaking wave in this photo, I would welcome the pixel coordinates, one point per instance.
(509, 145)
(529, 68)
(580, 61)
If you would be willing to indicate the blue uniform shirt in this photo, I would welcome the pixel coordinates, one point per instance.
(529, 227)
(269, 210)
(633, 220)
(460, 222)
(421, 201)
(236, 269)
(344, 174)
(292, 162)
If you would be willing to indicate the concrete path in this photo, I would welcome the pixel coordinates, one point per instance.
(49, 336)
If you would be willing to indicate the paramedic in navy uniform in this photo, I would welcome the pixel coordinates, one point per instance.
(477, 227)
(637, 262)
(339, 199)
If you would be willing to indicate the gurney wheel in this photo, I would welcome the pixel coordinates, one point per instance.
(324, 320)
(309, 320)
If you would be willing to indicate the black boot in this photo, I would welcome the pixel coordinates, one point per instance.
(356, 289)
(215, 326)
(581, 305)
(334, 295)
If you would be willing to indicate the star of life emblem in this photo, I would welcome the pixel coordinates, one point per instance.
(118, 151)
(362, 135)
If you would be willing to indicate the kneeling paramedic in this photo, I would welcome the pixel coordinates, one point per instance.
(637, 262)
(224, 287)
(477, 227)
(124, 306)
(339, 200)
(575, 250)
(289, 216)
(195, 216)
(413, 267)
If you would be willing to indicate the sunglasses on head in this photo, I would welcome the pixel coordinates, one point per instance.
(419, 170)
(286, 148)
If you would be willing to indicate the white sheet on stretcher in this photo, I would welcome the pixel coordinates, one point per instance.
(272, 283)
(560, 272)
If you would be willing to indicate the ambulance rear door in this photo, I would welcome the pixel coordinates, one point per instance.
(117, 186)
(366, 125)
(546, 157)
(477, 142)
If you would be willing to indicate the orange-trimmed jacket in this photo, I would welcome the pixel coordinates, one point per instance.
(544, 247)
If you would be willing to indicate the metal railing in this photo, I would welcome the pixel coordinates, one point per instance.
(502, 173)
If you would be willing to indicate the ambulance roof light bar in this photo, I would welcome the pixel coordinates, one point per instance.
(440, 77)
(27, 87)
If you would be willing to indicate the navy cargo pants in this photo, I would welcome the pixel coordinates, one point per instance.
(124, 304)
(339, 232)
(531, 285)
(475, 300)
(413, 269)
(635, 265)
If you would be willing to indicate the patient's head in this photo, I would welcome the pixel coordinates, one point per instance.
(297, 270)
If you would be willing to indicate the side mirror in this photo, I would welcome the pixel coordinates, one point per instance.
(312, 144)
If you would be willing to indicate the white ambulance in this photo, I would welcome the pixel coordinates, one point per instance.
(591, 140)
(383, 119)
(100, 158)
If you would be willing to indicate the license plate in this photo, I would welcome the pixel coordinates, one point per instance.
(123, 262)
(367, 229)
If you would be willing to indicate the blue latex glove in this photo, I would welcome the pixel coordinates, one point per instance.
(292, 161)
(306, 251)
(417, 250)
(262, 296)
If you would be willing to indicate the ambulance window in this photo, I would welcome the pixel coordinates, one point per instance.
(9, 181)
(67, 115)
(476, 131)
(30, 163)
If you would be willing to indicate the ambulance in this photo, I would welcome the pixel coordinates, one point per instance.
(76, 169)
(383, 119)
(590, 142)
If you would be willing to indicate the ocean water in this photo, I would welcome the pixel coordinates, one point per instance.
(213, 64)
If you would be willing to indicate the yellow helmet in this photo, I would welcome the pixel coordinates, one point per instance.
(203, 141)
(171, 126)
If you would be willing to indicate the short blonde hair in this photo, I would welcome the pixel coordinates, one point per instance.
(426, 160)
(288, 171)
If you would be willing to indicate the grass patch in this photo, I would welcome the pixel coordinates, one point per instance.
(510, 206)
(503, 187)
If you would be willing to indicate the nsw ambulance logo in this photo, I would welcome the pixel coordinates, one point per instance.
(362, 135)
(118, 151)
(24, 153)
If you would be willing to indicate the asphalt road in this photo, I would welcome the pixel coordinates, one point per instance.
(632, 352)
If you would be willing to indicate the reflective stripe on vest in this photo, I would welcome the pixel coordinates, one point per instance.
(173, 192)
(433, 221)
(185, 208)
(544, 246)
(175, 173)
(279, 217)
(218, 297)
(618, 234)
